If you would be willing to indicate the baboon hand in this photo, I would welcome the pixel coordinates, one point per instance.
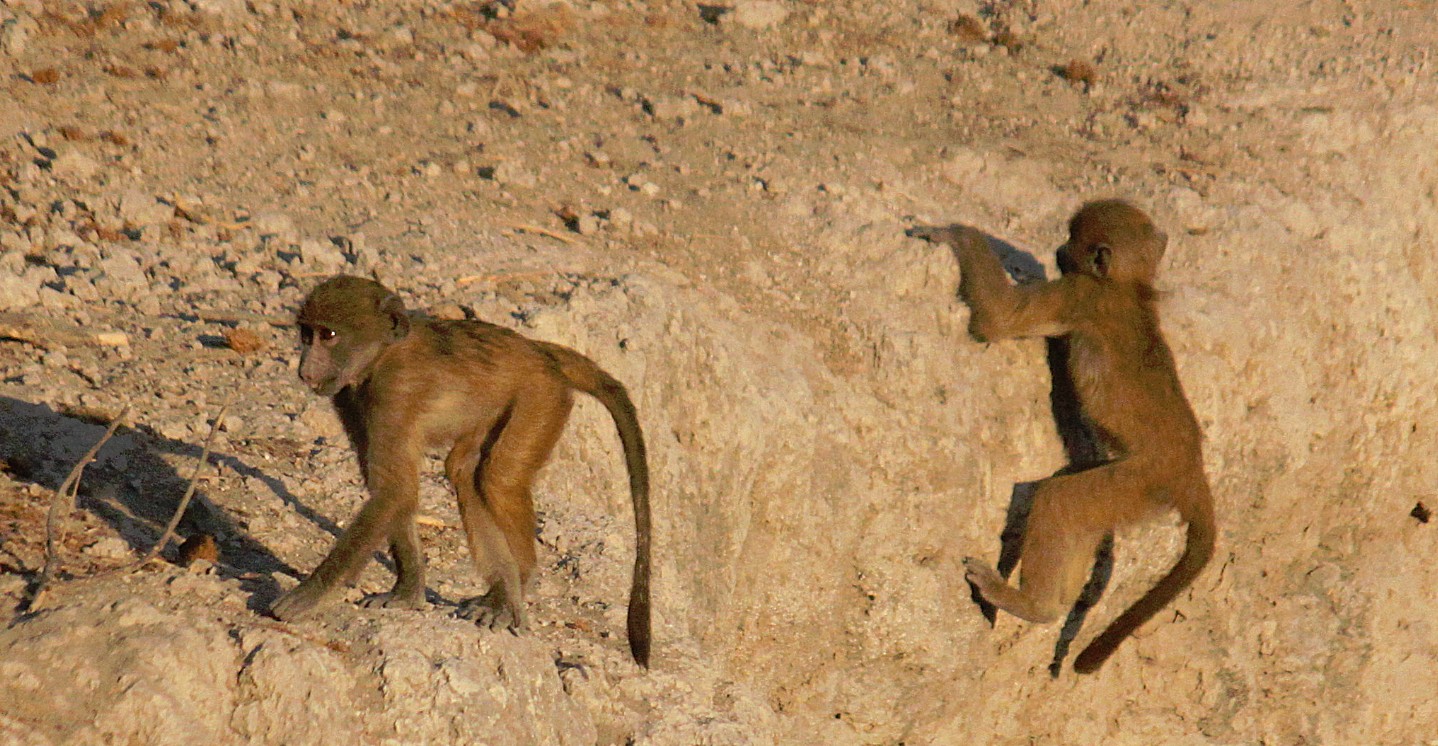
(298, 602)
(934, 233)
(982, 576)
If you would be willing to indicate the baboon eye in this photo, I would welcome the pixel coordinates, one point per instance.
(325, 335)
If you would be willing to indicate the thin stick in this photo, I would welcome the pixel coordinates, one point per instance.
(190, 491)
(27, 336)
(500, 276)
(67, 491)
(261, 318)
(23, 328)
(526, 228)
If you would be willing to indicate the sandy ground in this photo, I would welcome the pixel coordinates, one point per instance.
(710, 200)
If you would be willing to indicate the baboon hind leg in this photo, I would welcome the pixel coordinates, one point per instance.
(487, 547)
(1070, 516)
(500, 518)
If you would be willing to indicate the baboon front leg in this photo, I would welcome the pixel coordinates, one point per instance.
(500, 519)
(393, 480)
(408, 554)
(1070, 516)
(998, 309)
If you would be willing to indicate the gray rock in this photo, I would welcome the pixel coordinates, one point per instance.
(142, 210)
(15, 35)
(672, 108)
(757, 14)
(14, 241)
(510, 174)
(18, 291)
(273, 222)
(74, 166)
(321, 255)
(122, 276)
(621, 218)
(586, 224)
(109, 547)
(220, 7)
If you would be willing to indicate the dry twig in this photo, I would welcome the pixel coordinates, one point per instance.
(526, 228)
(501, 276)
(66, 492)
(189, 491)
(239, 317)
(23, 328)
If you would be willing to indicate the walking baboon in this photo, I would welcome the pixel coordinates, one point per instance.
(1128, 389)
(496, 400)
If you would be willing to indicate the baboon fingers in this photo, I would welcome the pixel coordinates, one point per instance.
(299, 601)
(945, 234)
(979, 573)
(932, 233)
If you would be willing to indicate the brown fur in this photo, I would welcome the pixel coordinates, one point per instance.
(496, 400)
(1129, 391)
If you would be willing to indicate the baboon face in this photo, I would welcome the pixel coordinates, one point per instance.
(340, 340)
(1113, 240)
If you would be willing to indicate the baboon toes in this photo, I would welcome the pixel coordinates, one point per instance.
(493, 610)
(394, 600)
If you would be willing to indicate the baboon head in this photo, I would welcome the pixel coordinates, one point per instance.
(345, 324)
(1113, 240)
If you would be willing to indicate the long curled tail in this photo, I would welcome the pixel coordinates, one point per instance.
(584, 375)
(1196, 554)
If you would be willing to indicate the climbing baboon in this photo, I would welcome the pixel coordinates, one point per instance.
(1128, 389)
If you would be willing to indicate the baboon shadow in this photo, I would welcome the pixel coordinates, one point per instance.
(134, 490)
(1082, 448)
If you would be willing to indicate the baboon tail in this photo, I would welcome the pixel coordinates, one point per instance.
(584, 375)
(1196, 554)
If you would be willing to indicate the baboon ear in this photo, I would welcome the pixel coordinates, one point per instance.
(1101, 256)
(1160, 240)
(393, 307)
